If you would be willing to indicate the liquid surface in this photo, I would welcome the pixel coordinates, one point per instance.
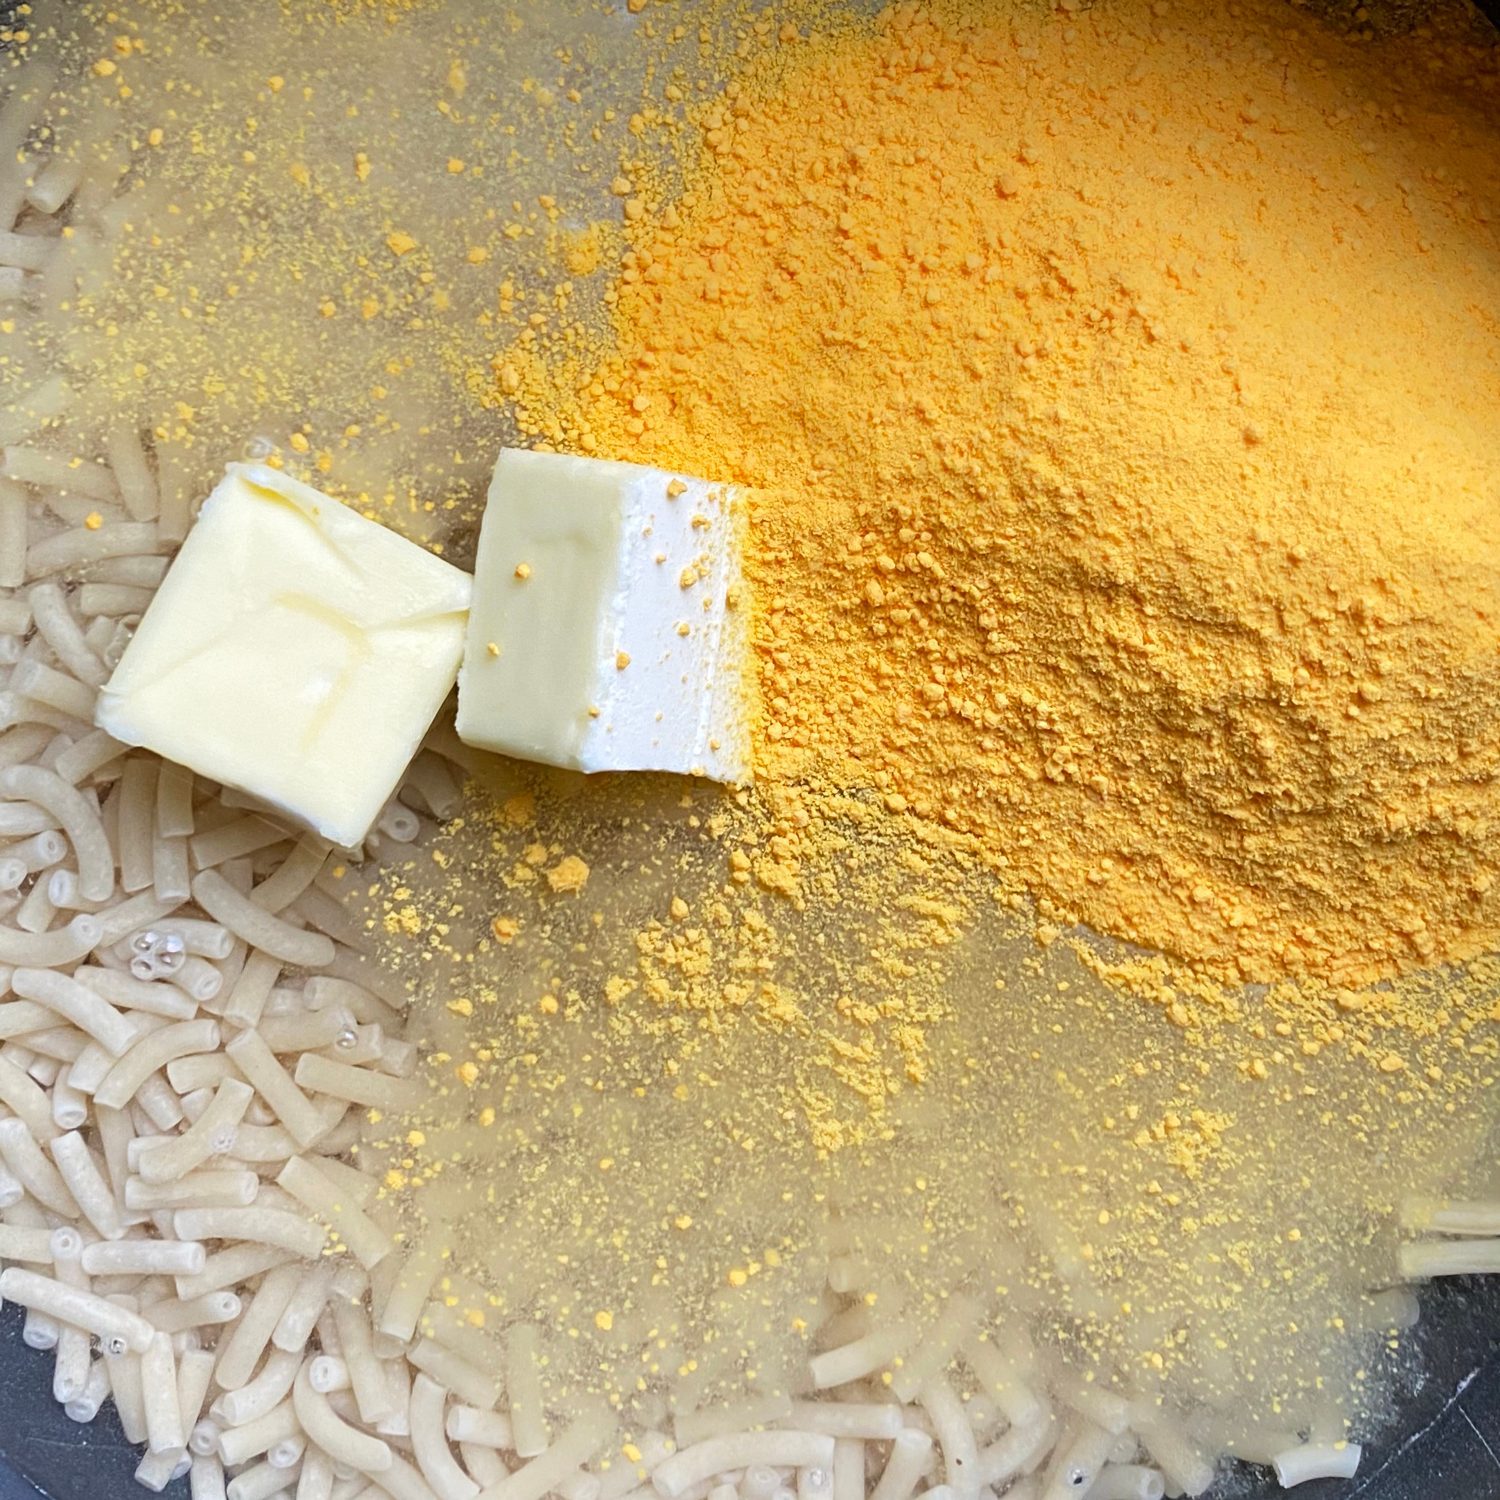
(713, 1097)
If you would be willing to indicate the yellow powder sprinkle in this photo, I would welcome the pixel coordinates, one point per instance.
(1105, 550)
(568, 876)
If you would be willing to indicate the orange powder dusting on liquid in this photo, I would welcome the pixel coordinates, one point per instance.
(1120, 396)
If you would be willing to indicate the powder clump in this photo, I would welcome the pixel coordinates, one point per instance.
(1118, 396)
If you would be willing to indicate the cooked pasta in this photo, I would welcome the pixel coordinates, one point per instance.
(523, 1385)
(210, 1188)
(25, 1099)
(324, 1199)
(78, 820)
(31, 1169)
(72, 1352)
(251, 1439)
(249, 1052)
(269, 1387)
(373, 1394)
(20, 1243)
(179, 1314)
(579, 1442)
(164, 1430)
(67, 552)
(473, 1425)
(1017, 1452)
(26, 253)
(478, 1387)
(340, 1440)
(1129, 1482)
(43, 684)
(35, 466)
(54, 184)
(1175, 1452)
(702, 1461)
(78, 1003)
(356, 1085)
(430, 1444)
(86, 1185)
(144, 1257)
(13, 528)
(119, 1329)
(56, 624)
(1316, 1461)
(861, 1357)
(397, 1318)
(871, 1421)
(1421, 1259)
(152, 1052)
(211, 1134)
(62, 945)
(125, 1387)
(274, 1226)
(259, 928)
(247, 999)
(233, 840)
(84, 1406)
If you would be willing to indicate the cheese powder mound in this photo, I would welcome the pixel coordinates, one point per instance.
(1118, 390)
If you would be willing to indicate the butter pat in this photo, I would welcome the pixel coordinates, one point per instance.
(605, 633)
(295, 651)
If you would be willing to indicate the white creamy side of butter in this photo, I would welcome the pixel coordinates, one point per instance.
(604, 633)
(295, 650)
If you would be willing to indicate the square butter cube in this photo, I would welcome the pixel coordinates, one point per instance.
(295, 650)
(604, 634)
